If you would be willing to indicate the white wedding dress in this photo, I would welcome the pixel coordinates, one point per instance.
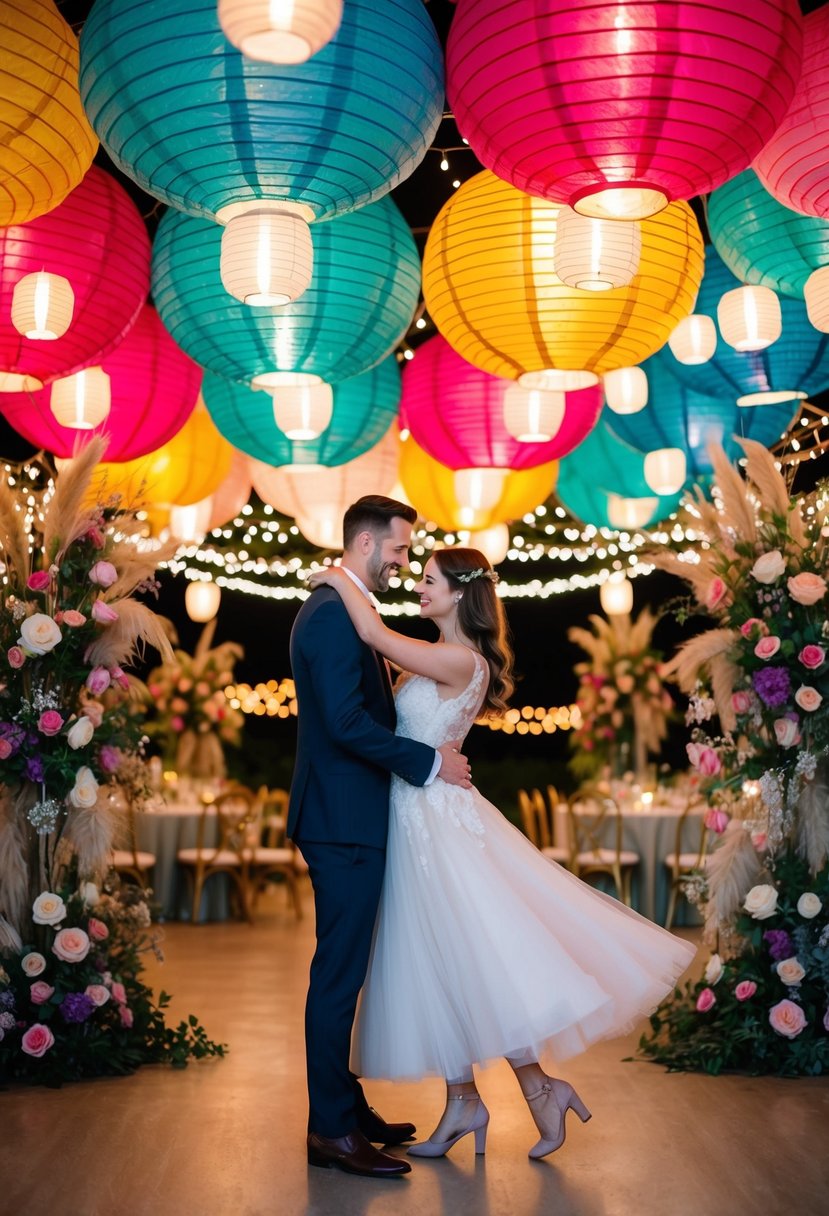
(483, 947)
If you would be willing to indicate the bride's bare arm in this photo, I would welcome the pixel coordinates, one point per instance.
(451, 665)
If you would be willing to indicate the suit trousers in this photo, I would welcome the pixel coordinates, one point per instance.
(347, 880)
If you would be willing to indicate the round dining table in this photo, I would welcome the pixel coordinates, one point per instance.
(163, 828)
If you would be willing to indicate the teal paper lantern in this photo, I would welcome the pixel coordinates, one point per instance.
(603, 473)
(364, 409)
(360, 303)
(761, 241)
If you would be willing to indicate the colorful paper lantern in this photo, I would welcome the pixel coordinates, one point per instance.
(360, 303)
(750, 318)
(694, 340)
(665, 471)
(269, 259)
(595, 255)
(290, 32)
(793, 164)
(153, 389)
(533, 415)
(363, 410)
(816, 295)
(218, 134)
(626, 390)
(47, 143)
(619, 108)
(202, 599)
(490, 290)
(42, 306)
(97, 241)
(629, 514)
(616, 596)
(82, 401)
(228, 499)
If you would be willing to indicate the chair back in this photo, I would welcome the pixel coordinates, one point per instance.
(534, 818)
(237, 813)
(273, 806)
(555, 804)
(594, 822)
(695, 803)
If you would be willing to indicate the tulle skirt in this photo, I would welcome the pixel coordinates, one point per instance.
(485, 948)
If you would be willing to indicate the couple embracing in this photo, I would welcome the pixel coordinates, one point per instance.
(466, 942)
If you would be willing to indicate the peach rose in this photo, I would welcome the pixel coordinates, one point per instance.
(714, 969)
(48, 909)
(80, 732)
(706, 1000)
(808, 698)
(84, 793)
(33, 964)
(37, 1040)
(806, 588)
(745, 990)
(73, 619)
(39, 634)
(790, 971)
(40, 992)
(769, 567)
(767, 647)
(786, 732)
(812, 656)
(787, 1018)
(97, 930)
(97, 993)
(94, 711)
(71, 945)
(809, 905)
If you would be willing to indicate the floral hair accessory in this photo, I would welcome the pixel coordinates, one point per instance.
(469, 575)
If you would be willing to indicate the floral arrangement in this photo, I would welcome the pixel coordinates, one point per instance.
(623, 705)
(762, 670)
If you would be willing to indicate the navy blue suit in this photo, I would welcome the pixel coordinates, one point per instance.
(338, 816)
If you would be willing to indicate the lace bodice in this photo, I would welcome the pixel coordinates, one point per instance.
(423, 715)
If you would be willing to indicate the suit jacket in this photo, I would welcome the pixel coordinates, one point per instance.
(346, 746)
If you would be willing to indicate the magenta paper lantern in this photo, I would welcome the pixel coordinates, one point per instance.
(620, 108)
(97, 240)
(154, 387)
(455, 412)
(794, 164)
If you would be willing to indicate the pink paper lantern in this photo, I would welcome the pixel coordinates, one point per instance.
(455, 412)
(154, 387)
(620, 108)
(794, 164)
(97, 240)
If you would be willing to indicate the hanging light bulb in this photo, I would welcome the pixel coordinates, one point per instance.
(616, 596)
(628, 514)
(81, 401)
(493, 542)
(626, 390)
(266, 257)
(202, 599)
(280, 31)
(750, 318)
(665, 470)
(42, 305)
(533, 415)
(190, 524)
(816, 295)
(558, 380)
(303, 411)
(477, 490)
(694, 340)
(595, 254)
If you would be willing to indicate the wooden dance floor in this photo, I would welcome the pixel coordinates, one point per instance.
(226, 1137)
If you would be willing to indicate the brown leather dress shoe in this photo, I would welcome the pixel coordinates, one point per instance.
(375, 1128)
(353, 1155)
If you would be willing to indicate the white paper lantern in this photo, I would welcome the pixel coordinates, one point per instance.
(694, 340)
(323, 529)
(665, 470)
(303, 411)
(533, 415)
(594, 254)
(81, 401)
(478, 490)
(202, 601)
(750, 318)
(558, 380)
(493, 542)
(267, 257)
(280, 31)
(313, 491)
(42, 305)
(616, 596)
(190, 524)
(628, 514)
(816, 294)
(626, 390)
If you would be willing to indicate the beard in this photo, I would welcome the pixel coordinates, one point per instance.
(380, 572)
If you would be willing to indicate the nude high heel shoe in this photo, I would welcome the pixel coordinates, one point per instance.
(478, 1124)
(565, 1098)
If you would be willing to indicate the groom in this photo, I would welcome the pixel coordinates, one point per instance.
(338, 817)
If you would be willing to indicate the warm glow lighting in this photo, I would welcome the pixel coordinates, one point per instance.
(493, 542)
(594, 254)
(533, 415)
(621, 203)
(694, 340)
(267, 256)
(191, 523)
(616, 596)
(201, 599)
(42, 305)
(750, 318)
(303, 411)
(630, 514)
(322, 529)
(558, 379)
(626, 390)
(280, 31)
(816, 295)
(479, 489)
(772, 397)
(81, 401)
(665, 470)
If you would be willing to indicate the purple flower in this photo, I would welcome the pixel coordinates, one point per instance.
(34, 769)
(6, 1000)
(13, 734)
(772, 686)
(780, 944)
(76, 1007)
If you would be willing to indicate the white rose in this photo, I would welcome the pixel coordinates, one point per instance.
(790, 971)
(48, 909)
(714, 970)
(85, 790)
(39, 634)
(769, 567)
(33, 964)
(89, 893)
(80, 732)
(761, 901)
(809, 905)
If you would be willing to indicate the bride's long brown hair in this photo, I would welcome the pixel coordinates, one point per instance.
(481, 617)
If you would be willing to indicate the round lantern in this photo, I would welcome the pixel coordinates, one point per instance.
(478, 491)
(694, 340)
(617, 109)
(280, 33)
(81, 402)
(533, 415)
(489, 288)
(325, 529)
(616, 596)
(363, 410)
(97, 241)
(215, 133)
(303, 411)
(360, 304)
(762, 242)
(595, 255)
(493, 542)
(432, 490)
(153, 388)
(47, 143)
(750, 318)
(42, 306)
(189, 524)
(665, 470)
(202, 599)
(816, 295)
(629, 514)
(626, 390)
(794, 163)
(554, 380)
(266, 258)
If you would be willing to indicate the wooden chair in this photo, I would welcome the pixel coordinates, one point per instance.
(682, 865)
(538, 825)
(598, 817)
(237, 820)
(132, 862)
(276, 856)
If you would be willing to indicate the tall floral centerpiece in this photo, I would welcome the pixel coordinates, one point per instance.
(624, 706)
(759, 685)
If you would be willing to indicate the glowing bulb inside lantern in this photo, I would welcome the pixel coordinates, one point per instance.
(665, 470)
(632, 201)
(616, 596)
(477, 491)
(267, 256)
(630, 513)
(559, 379)
(694, 340)
(303, 411)
(750, 318)
(626, 390)
(280, 31)
(202, 599)
(533, 415)
(42, 306)
(81, 401)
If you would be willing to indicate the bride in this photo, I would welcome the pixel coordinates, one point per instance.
(484, 948)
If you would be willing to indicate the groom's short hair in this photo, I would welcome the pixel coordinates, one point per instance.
(374, 513)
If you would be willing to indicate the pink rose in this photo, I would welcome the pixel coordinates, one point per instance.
(97, 930)
(120, 677)
(715, 594)
(40, 992)
(5, 749)
(812, 656)
(71, 945)
(786, 732)
(745, 990)
(98, 680)
(706, 1000)
(709, 762)
(102, 613)
(125, 1014)
(110, 758)
(806, 588)
(119, 993)
(787, 1018)
(38, 581)
(37, 1040)
(177, 723)
(758, 839)
(692, 751)
(73, 619)
(741, 702)
(103, 574)
(96, 537)
(716, 821)
(15, 656)
(808, 698)
(94, 711)
(49, 722)
(98, 994)
(767, 647)
(753, 622)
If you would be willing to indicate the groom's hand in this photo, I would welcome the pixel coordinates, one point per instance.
(454, 768)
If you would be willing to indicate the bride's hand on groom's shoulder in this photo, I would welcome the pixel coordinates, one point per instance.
(322, 578)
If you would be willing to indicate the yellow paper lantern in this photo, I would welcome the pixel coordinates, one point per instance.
(47, 144)
(491, 289)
